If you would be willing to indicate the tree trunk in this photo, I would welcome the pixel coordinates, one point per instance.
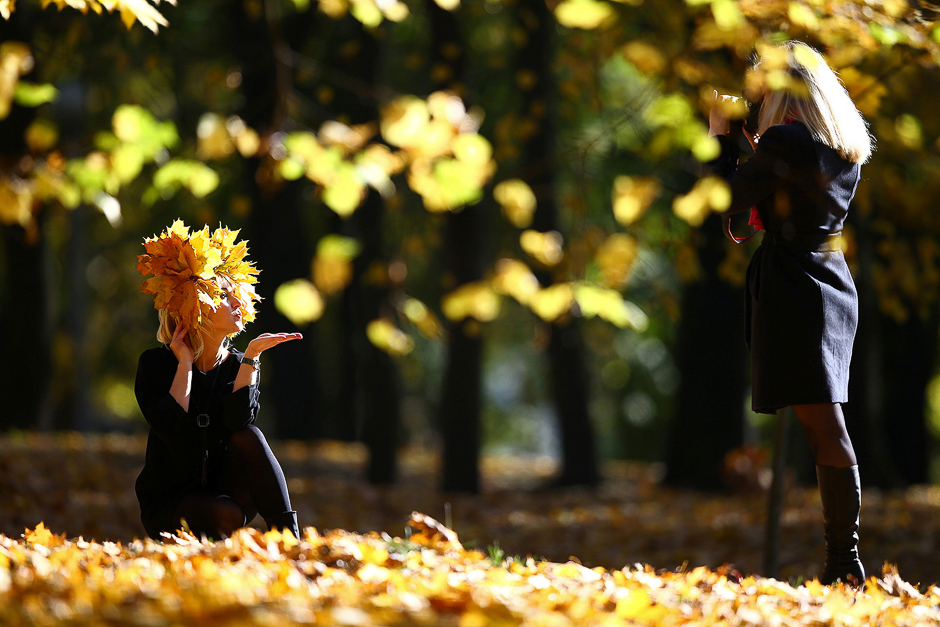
(710, 419)
(464, 260)
(278, 241)
(24, 305)
(568, 369)
(866, 376)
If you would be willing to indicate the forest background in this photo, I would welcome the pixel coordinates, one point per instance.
(487, 219)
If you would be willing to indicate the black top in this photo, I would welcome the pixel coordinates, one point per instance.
(802, 307)
(173, 464)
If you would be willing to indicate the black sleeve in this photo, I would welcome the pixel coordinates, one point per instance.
(155, 372)
(240, 408)
(758, 177)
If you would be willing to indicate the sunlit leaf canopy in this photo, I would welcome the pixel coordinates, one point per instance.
(130, 11)
(886, 54)
(434, 146)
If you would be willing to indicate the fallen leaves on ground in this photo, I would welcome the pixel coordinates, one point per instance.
(83, 485)
(428, 578)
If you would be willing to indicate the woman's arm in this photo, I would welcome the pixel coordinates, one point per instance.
(247, 374)
(182, 384)
(155, 377)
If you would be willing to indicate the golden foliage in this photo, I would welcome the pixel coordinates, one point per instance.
(475, 300)
(299, 301)
(708, 194)
(256, 578)
(517, 201)
(130, 10)
(331, 268)
(385, 336)
(15, 61)
(546, 248)
(615, 258)
(632, 196)
(185, 267)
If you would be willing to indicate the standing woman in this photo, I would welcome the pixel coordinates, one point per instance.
(206, 462)
(802, 307)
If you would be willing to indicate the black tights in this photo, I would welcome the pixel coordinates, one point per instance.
(252, 483)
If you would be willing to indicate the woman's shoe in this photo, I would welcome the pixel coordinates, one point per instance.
(841, 493)
(284, 521)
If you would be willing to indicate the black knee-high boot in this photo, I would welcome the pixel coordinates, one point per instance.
(841, 492)
(284, 521)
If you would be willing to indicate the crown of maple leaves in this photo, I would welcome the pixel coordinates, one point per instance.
(186, 268)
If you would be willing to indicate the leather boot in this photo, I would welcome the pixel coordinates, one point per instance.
(284, 521)
(841, 493)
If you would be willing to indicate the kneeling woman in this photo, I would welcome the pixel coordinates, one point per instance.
(206, 462)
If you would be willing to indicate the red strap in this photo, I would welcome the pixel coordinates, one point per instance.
(754, 221)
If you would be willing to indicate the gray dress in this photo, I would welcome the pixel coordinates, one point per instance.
(802, 307)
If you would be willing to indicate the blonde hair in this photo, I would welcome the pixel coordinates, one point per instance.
(801, 85)
(169, 321)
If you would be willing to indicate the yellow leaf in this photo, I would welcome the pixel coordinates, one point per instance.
(709, 194)
(299, 301)
(586, 14)
(728, 16)
(16, 202)
(632, 196)
(802, 15)
(387, 337)
(405, 121)
(553, 302)
(345, 192)
(615, 258)
(609, 305)
(514, 278)
(645, 57)
(517, 201)
(472, 148)
(42, 536)
(212, 138)
(546, 248)
(6, 8)
(471, 300)
(15, 60)
(41, 135)
(420, 316)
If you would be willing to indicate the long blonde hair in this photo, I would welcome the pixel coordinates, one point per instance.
(169, 321)
(801, 85)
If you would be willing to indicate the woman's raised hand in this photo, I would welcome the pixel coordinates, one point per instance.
(266, 340)
(718, 121)
(180, 344)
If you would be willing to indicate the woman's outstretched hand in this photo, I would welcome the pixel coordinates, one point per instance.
(267, 340)
(718, 121)
(180, 344)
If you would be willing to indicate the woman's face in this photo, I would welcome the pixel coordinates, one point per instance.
(227, 317)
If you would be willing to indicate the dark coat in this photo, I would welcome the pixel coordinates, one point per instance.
(175, 450)
(802, 307)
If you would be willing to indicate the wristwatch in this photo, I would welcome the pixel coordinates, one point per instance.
(254, 363)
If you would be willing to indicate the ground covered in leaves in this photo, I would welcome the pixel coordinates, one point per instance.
(589, 549)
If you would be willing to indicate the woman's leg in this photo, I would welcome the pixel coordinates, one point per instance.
(839, 489)
(252, 476)
(216, 516)
(824, 427)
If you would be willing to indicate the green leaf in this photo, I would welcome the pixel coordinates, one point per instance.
(33, 94)
(338, 246)
(195, 176)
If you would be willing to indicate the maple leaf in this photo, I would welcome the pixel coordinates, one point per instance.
(42, 536)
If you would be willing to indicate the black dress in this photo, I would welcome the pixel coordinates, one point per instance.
(802, 307)
(175, 450)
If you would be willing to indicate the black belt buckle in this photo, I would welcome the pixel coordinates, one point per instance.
(202, 420)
